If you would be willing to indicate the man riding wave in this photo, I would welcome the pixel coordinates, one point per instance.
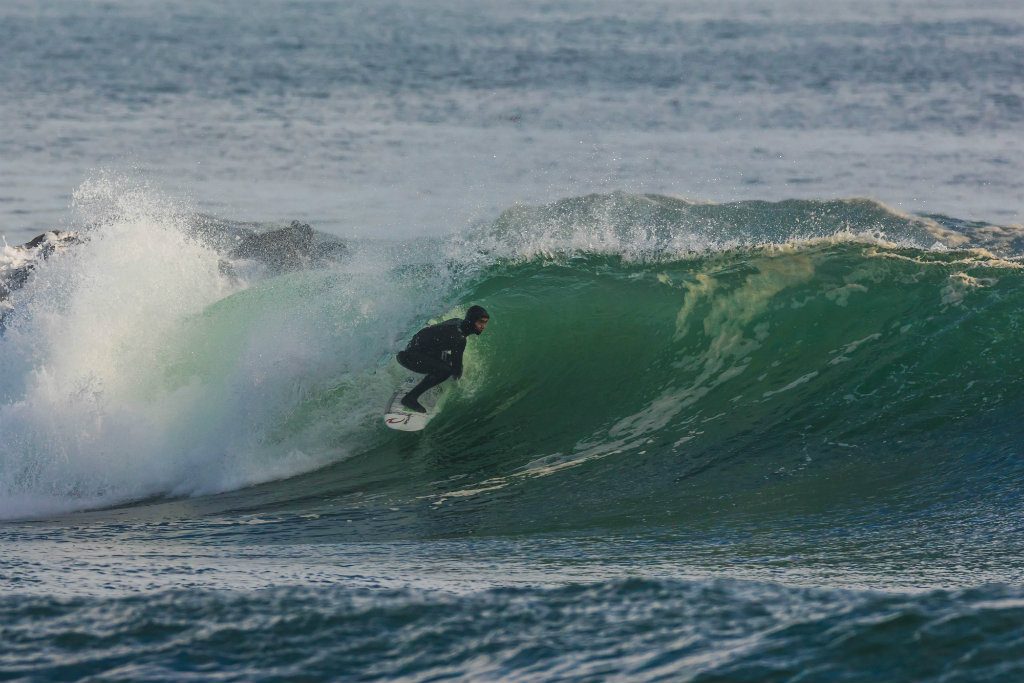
(436, 351)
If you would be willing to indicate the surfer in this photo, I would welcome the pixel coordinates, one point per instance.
(437, 350)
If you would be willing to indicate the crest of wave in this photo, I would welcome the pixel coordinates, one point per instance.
(654, 227)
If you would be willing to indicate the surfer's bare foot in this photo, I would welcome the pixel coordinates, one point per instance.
(413, 404)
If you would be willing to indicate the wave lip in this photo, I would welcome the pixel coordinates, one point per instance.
(657, 227)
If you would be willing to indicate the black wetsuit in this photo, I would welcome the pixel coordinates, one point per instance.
(437, 352)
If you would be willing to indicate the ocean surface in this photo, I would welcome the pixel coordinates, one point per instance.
(748, 407)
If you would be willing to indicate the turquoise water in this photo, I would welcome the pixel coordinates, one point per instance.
(747, 408)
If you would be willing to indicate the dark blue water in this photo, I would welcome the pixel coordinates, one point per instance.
(747, 408)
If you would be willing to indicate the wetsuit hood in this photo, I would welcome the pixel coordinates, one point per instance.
(472, 315)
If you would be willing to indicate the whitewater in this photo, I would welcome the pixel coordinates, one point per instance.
(747, 408)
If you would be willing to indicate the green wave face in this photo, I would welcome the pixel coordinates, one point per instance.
(771, 381)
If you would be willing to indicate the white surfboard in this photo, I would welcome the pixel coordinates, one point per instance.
(397, 416)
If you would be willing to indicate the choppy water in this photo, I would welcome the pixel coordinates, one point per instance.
(773, 437)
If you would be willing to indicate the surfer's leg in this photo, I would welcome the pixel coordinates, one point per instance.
(406, 360)
(411, 400)
(428, 382)
(436, 370)
(420, 362)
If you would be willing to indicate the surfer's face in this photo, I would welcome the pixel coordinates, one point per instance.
(480, 325)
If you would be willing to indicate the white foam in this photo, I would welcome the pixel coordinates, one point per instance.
(132, 367)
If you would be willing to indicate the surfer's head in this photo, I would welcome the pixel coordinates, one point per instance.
(476, 319)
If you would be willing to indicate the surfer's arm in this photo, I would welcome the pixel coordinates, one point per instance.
(457, 363)
(458, 347)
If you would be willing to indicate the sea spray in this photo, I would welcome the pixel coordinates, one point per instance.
(83, 416)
